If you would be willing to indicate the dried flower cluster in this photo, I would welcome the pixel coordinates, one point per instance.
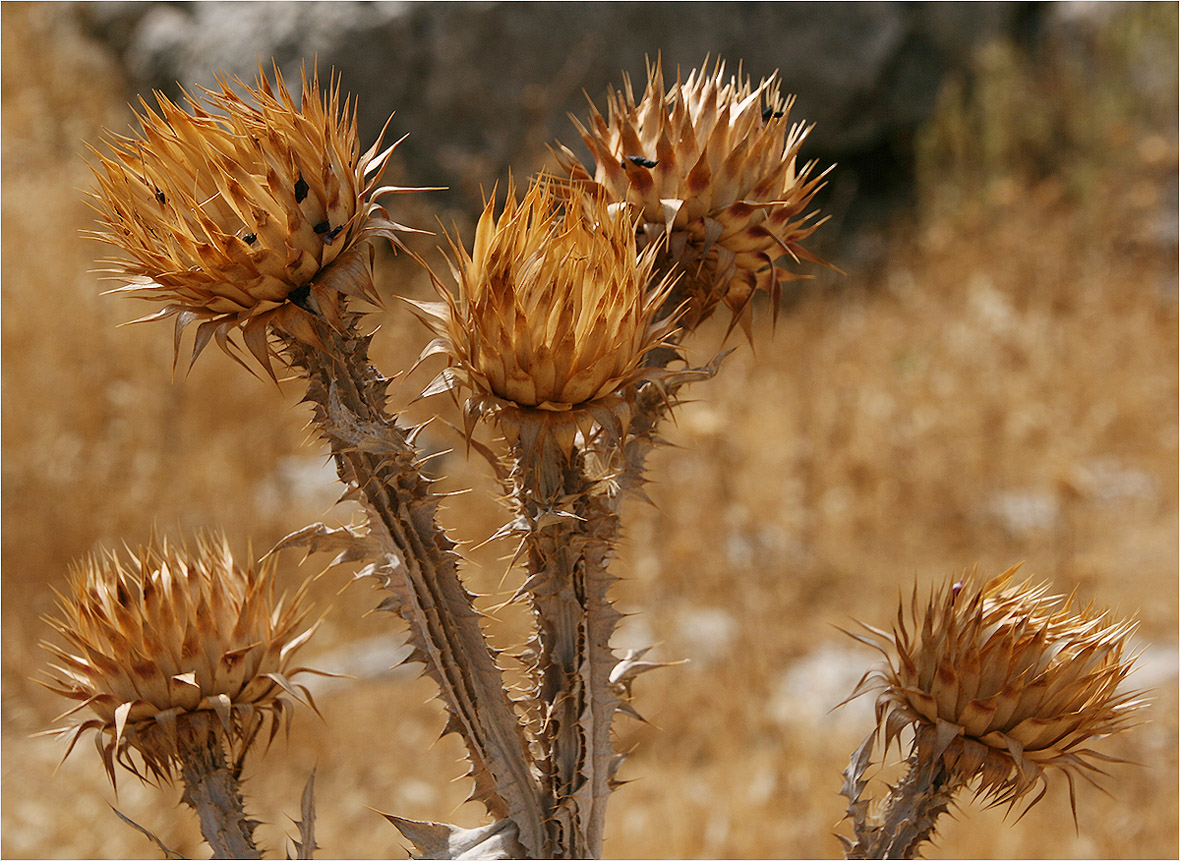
(247, 213)
(1002, 681)
(710, 169)
(233, 212)
(173, 650)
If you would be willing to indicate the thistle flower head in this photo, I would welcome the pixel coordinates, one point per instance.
(711, 165)
(554, 312)
(243, 211)
(174, 648)
(1003, 681)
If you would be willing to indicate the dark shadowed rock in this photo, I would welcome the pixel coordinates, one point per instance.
(481, 87)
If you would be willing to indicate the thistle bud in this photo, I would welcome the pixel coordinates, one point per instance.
(172, 653)
(1003, 681)
(711, 166)
(554, 312)
(243, 211)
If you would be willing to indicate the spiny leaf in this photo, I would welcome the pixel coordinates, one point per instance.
(436, 840)
(168, 853)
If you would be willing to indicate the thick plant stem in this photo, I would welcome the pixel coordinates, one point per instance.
(602, 531)
(568, 542)
(418, 566)
(211, 788)
(911, 814)
(571, 524)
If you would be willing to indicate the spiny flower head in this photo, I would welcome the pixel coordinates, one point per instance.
(711, 165)
(554, 313)
(1002, 681)
(172, 648)
(243, 211)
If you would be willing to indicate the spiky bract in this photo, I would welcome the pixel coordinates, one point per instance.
(1003, 681)
(554, 312)
(173, 649)
(243, 211)
(712, 165)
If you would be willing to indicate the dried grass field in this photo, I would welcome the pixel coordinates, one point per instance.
(996, 384)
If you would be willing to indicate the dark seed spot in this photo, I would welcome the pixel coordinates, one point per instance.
(322, 228)
(299, 296)
(301, 190)
(641, 161)
(770, 113)
(249, 238)
(160, 197)
(332, 234)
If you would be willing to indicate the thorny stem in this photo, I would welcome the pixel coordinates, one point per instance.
(568, 544)
(911, 813)
(650, 405)
(572, 530)
(376, 460)
(211, 788)
(652, 401)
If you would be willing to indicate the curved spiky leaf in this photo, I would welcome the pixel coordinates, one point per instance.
(438, 840)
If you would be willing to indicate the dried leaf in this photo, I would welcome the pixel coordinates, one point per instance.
(436, 840)
(168, 853)
(305, 846)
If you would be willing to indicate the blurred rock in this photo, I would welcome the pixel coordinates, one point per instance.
(481, 87)
(707, 634)
(1025, 510)
(813, 691)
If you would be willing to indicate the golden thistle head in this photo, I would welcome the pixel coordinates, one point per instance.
(1003, 681)
(710, 164)
(554, 313)
(244, 211)
(174, 650)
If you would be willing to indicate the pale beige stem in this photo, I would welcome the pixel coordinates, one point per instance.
(568, 544)
(911, 814)
(375, 458)
(211, 788)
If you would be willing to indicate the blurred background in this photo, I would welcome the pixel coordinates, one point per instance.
(992, 379)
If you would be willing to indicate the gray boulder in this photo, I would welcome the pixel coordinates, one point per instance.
(482, 87)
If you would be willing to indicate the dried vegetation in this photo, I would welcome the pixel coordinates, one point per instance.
(1000, 386)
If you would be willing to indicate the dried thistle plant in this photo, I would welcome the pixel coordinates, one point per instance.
(179, 659)
(251, 214)
(563, 330)
(1000, 682)
(710, 169)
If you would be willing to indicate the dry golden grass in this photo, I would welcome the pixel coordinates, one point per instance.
(1002, 388)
